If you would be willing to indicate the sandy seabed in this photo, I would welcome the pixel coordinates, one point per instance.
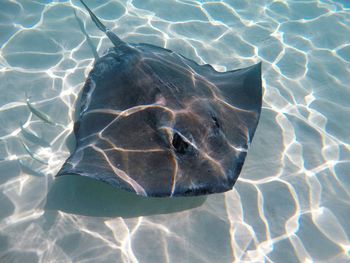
(291, 202)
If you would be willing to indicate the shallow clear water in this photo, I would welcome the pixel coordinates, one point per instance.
(291, 202)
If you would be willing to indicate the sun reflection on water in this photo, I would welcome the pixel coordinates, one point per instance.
(291, 202)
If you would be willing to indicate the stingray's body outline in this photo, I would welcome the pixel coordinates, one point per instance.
(156, 123)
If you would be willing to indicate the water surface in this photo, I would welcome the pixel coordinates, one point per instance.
(291, 202)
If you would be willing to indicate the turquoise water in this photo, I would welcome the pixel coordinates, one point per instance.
(291, 202)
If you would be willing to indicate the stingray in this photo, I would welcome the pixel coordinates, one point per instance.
(156, 123)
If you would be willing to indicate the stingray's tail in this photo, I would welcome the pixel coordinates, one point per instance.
(113, 37)
(88, 39)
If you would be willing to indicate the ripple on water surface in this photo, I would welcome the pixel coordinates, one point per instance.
(291, 202)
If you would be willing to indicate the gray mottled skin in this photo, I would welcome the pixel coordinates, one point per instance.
(156, 123)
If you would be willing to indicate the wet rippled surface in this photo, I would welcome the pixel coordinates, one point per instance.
(291, 202)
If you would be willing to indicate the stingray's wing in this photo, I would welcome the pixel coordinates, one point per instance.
(242, 90)
(235, 103)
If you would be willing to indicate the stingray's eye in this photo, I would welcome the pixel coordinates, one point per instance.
(179, 144)
(216, 122)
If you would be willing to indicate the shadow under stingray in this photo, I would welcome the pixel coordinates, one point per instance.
(85, 196)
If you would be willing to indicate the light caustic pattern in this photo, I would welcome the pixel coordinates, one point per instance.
(291, 202)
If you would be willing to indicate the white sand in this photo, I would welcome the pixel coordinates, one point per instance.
(291, 203)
